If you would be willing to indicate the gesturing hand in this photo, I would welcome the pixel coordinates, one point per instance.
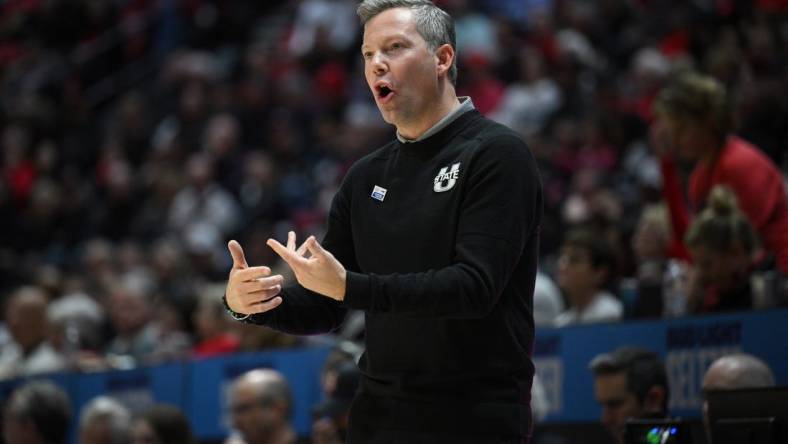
(321, 272)
(251, 289)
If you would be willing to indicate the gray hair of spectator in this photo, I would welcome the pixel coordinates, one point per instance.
(46, 406)
(745, 371)
(272, 388)
(106, 410)
(433, 24)
(643, 368)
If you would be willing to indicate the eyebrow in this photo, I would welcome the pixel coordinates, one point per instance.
(401, 36)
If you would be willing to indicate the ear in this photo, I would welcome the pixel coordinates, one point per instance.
(654, 400)
(445, 57)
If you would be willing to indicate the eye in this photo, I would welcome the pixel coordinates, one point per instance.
(367, 55)
(396, 45)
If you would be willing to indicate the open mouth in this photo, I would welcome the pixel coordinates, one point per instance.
(384, 91)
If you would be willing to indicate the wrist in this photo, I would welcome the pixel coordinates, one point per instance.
(234, 314)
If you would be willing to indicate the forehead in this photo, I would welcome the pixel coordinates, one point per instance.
(390, 23)
(611, 385)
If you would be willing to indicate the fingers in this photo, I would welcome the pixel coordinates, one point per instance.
(260, 285)
(265, 305)
(251, 273)
(239, 260)
(291, 240)
(314, 247)
(291, 244)
(301, 250)
(289, 256)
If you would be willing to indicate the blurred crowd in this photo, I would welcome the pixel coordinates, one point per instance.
(138, 137)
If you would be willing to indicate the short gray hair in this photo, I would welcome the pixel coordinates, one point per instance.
(106, 410)
(433, 24)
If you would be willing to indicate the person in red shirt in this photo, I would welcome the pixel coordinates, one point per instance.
(212, 329)
(693, 121)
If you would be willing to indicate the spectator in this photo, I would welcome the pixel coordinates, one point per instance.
(37, 413)
(212, 326)
(629, 382)
(735, 371)
(30, 352)
(261, 406)
(161, 424)
(130, 310)
(330, 417)
(104, 421)
(694, 122)
(585, 268)
(548, 302)
(722, 243)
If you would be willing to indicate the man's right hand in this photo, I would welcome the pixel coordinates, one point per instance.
(251, 290)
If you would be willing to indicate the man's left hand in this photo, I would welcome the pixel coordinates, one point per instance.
(321, 272)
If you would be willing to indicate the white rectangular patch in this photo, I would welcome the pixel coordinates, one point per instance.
(379, 193)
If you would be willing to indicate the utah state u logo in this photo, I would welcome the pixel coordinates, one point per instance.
(446, 178)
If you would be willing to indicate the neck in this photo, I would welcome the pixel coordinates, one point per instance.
(282, 435)
(447, 102)
(712, 151)
(582, 298)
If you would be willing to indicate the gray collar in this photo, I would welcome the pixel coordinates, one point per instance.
(466, 104)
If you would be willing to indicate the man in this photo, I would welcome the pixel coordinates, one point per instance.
(104, 421)
(585, 269)
(731, 372)
(435, 237)
(37, 413)
(629, 382)
(330, 417)
(31, 352)
(260, 408)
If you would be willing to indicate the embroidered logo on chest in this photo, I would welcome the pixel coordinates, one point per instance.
(446, 178)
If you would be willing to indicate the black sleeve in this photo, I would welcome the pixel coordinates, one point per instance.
(305, 312)
(501, 208)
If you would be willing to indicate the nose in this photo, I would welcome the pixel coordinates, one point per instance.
(378, 64)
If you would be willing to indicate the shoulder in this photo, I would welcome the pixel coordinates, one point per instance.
(362, 165)
(742, 155)
(606, 305)
(493, 142)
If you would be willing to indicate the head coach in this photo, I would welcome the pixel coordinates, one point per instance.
(435, 237)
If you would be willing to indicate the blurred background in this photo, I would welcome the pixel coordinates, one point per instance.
(139, 136)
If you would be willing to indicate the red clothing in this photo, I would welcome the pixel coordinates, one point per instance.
(218, 345)
(758, 186)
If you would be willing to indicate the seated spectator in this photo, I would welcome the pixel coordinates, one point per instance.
(331, 415)
(37, 413)
(736, 371)
(694, 122)
(30, 352)
(658, 276)
(212, 327)
(585, 267)
(722, 243)
(130, 312)
(145, 333)
(104, 421)
(548, 302)
(76, 324)
(261, 407)
(161, 424)
(629, 382)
